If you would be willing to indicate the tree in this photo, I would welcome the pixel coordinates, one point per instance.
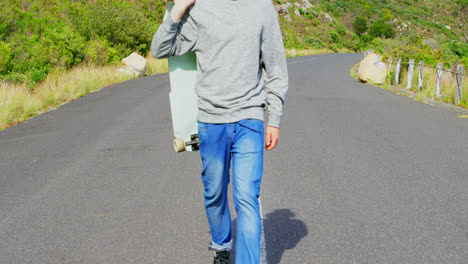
(360, 25)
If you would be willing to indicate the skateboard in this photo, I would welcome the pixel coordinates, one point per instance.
(183, 99)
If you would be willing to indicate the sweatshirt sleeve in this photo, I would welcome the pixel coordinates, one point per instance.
(274, 63)
(174, 38)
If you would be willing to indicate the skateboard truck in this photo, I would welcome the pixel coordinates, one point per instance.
(180, 144)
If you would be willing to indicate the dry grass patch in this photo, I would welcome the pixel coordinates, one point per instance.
(154, 65)
(307, 52)
(18, 103)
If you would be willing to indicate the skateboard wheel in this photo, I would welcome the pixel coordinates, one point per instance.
(179, 145)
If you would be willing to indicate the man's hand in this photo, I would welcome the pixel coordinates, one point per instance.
(179, 8)
(271, 137)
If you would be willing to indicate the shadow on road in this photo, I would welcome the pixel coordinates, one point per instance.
(282, 232)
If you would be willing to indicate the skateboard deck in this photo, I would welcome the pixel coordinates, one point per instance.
(183, 99)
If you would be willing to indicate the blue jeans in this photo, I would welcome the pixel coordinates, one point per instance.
(243, 143)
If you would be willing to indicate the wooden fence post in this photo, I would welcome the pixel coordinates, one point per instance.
(420, 76)
(410, 74)
(439, 79)
(389, 66)
(458, 90)
(397, 71)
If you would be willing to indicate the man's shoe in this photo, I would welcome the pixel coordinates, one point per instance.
(221, 257)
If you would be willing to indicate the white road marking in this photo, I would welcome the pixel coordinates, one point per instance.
(263, 259)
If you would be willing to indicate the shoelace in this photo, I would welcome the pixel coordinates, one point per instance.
(221, 257)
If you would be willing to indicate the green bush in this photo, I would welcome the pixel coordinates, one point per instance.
(99, 52)
(37, 36)
(360, 25)
(5, 57)
(64, 47)
(380, 29)
(313, 41)
(125, 27)
(459, 48)
(334, 35)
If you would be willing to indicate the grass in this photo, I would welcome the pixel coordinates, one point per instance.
(429, 85)
(307, 52)
(154, 65)
(18, 102)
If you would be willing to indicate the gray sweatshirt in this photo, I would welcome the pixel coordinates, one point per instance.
(241, 63)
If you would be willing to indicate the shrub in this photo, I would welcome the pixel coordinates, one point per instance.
(121, 23)
(64, 47)
(5, 57)
(459, 48)
(99, 52)
(341, 30)
(381, 29)
(313, 41)
(334, 35)
(360, 25)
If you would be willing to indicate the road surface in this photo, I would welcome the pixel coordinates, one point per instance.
(361, 175)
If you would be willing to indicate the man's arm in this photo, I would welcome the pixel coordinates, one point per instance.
(276, 80)
(177, 34)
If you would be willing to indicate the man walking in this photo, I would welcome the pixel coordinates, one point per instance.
(241, 72)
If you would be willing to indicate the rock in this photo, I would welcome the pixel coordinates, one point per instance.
(448, 27)
(134, 63)
(405, 25)
(297, 4)
(128, 71)
(432, 42)
(328, 17)
(372, 69)
(293, 52)
(282, 9)
(296, 12)
(306, 4)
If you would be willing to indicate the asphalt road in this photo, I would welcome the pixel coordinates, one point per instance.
(361, 175)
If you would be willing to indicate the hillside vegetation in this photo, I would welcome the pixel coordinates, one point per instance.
(433, 31)
(40, 36)
(37, 36)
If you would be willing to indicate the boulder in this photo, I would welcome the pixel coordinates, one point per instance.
(296, 12)
(306, 4)
(372, 69)
(282, 9)
(127, 71)
(293, 53)
(135, 64)
(328, 17)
